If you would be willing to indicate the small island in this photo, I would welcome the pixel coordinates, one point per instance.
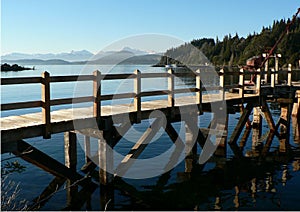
(6, 67)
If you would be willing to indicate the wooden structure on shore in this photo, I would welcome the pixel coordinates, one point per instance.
(99, 121)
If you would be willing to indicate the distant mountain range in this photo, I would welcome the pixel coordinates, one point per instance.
(126, 56)
(70, 57)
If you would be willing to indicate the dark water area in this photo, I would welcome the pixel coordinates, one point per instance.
(269, 182)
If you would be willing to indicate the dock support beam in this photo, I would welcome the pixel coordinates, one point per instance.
(257, 127)
(222, 125)
(285, 127)
(71, 162)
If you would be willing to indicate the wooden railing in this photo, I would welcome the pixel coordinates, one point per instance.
(46, 80)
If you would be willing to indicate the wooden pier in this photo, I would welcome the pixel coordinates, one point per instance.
(99, 121)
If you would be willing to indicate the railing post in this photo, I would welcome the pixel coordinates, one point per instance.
(199, 91)
(276, 68)
(266, 71)
(137, 98)
(46, 116)
(222, 83)
(97, 96)
(289, 78)
(258, 81)
(272, 78)
(171, 86)
(241, 83)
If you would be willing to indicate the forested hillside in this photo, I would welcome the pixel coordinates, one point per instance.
(234, 50)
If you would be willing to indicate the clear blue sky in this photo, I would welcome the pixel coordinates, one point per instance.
(41, 26)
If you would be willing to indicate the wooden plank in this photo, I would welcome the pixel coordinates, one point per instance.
(71, 78)
(20, 105)
(138, 148)
(240, 125)
(118, 76)
(137, 98)
(154, 93)
(154, 75)
(46, 105)
(20, 80)
(74, 100)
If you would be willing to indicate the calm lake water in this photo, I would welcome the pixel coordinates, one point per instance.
(220, 184)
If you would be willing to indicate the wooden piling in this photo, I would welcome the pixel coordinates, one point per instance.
(70, 150)
(285, 117)
(222, 125)
(87, 148)
(71, 162)
(105, 154)
(256, 126)
(191, 134)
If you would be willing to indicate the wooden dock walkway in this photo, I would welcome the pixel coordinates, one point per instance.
(108, 123)
(31, 125)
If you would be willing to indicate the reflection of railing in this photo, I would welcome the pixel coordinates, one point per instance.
(46, 80)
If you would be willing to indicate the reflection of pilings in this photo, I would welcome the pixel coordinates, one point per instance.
(284, 174)
(253, 189)
(236, 199)
(218, 203)
(296, 107)
(296, 129)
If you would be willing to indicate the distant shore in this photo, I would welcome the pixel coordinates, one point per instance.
(6, 67)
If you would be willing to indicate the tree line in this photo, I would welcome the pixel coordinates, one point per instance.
(235, 50)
